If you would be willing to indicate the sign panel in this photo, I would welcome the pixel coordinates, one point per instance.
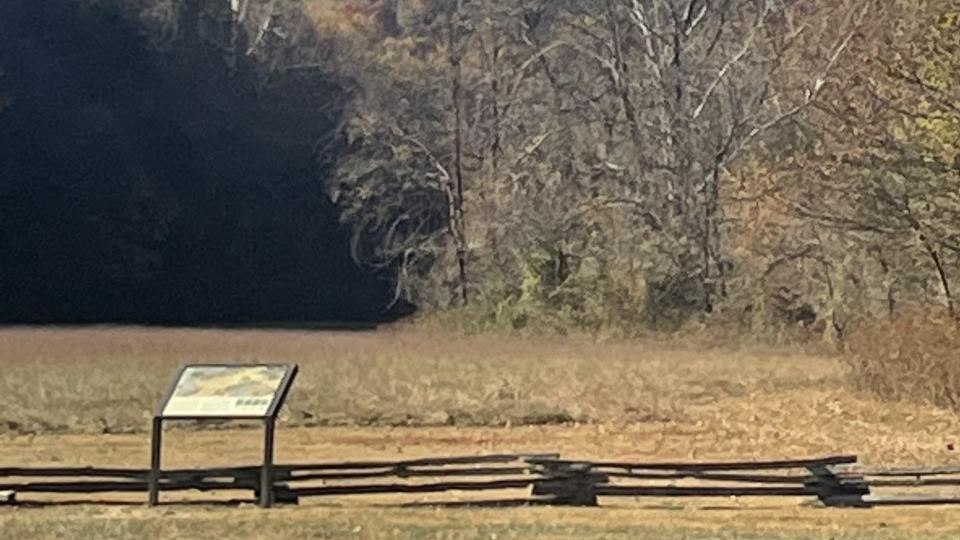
(227, 391)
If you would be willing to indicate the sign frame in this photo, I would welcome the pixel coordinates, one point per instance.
(269, 419)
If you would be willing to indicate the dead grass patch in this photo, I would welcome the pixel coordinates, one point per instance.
(913, 357)
(639, 399)
(108, 380)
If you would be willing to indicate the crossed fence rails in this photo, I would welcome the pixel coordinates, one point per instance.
(543, 479)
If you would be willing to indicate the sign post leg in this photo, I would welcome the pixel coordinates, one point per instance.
(266, 473)
(155, 445)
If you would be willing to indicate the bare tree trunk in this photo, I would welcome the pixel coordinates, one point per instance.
(710, 237)
(941, 274)
(388, 18)
(838, 326)
(493, 54)
(889, 284)
(619, 77)
(456, 64)
(931, 250)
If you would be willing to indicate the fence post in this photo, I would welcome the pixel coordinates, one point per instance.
(834, 491)
(156, 451)
(569, 484)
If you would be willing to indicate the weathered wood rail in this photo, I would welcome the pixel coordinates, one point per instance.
(544, 479)
(911, 486)
(431, 475)
(583, 482)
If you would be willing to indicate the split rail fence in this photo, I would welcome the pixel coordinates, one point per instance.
(518, 479)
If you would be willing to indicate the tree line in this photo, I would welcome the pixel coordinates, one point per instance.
(630, 163)
(596, 164)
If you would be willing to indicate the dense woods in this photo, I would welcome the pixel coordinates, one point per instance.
(594, 164)
(627, 163)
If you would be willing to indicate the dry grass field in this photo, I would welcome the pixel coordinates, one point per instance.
(84, 397)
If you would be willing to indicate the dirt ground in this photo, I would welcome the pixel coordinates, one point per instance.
(183, 516)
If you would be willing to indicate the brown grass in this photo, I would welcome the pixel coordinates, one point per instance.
(914, 357)
(60, 391)
(666, 400)
(109, 380)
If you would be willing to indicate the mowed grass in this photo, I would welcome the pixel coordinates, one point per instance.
(519, 524)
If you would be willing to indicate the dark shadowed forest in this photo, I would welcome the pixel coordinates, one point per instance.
(146, 175)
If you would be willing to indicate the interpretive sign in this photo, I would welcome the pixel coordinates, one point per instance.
(224, 392)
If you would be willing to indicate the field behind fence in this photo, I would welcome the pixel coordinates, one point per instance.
(84, 397)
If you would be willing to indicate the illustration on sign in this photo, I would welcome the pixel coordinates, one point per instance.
(225, 391)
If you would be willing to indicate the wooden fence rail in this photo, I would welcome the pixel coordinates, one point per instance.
(547, 479)
(581, 482)
(912, 486)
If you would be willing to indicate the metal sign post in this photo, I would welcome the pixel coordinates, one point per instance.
(223, 392)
